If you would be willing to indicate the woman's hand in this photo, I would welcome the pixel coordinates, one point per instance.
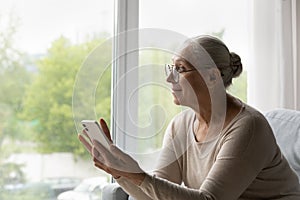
(86, 140)
(113, 161)
(88, 143)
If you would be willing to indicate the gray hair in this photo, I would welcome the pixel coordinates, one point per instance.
(228, 63)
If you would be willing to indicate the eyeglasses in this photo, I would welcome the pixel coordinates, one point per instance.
(176, 71)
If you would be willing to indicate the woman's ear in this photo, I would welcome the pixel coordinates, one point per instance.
(214, 76)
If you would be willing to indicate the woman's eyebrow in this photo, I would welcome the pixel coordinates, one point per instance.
(179, 60)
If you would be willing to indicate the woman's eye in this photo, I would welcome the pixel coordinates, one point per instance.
(180, 69)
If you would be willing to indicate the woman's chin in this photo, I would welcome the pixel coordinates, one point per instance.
(176, 101)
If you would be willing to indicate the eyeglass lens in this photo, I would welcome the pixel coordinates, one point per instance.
(171, 69)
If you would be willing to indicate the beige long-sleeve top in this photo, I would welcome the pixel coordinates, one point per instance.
(244, 162)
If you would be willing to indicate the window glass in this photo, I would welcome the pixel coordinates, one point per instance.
(227, 20)
(45, 48)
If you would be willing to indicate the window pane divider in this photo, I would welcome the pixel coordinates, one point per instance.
(124, 106)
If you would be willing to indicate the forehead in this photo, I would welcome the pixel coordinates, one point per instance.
(177, 58)
(180, 60)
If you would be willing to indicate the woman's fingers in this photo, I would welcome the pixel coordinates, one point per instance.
(99, 162)
(86, 135)
(118, 153)
(101, 153)
(115, 150)
(99, 147)
(115, 162)
(100, 165)
(115, 174)
(85, 143)
(105, 128)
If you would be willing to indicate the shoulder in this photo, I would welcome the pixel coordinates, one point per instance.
(181, 122)
(251, 118)
(251, 125)
(184, 116)
(250, 132)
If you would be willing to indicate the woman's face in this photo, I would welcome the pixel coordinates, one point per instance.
(190, 90)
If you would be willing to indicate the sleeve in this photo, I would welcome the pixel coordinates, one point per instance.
(241, 157)
(132, 189)
(159, 188)
(168, 166)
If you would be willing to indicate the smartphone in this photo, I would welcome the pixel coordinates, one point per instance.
(95, 132)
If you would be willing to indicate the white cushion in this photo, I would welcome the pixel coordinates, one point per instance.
(286, 126)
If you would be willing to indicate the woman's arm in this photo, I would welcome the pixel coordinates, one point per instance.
(119, 164)
(132, 189)
(240, 159)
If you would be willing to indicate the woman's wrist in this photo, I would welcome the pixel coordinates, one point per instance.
(116, 177)
(137, 178)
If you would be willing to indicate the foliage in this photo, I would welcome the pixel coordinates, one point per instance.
(14, 78)
(37, 95)
(156, 107)
(11, 173)
(9, 55)
(49, 99)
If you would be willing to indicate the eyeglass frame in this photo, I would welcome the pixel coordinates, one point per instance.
(171, 68)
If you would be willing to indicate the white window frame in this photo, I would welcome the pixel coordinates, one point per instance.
(125, 74)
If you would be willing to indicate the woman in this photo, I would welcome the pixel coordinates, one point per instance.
(220, 148)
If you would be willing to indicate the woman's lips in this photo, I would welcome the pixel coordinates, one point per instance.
(176, 89)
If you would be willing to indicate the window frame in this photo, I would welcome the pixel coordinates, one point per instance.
(124, 73)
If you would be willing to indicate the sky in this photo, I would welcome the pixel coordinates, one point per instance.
(43, 21)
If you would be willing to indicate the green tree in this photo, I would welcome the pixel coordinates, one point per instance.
(14, 78)
(156, 107)
(48, 100)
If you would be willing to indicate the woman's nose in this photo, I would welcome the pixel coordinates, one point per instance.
(170, 78)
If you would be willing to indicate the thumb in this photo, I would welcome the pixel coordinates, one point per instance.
(115, 150)
(105, 129)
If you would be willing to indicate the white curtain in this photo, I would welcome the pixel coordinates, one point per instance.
(274, 71)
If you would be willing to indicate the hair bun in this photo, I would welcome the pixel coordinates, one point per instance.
(235, 64)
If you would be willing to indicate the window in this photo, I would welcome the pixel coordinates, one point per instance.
(60, 64)
(225, 19)
(43, 47)
(162, 25)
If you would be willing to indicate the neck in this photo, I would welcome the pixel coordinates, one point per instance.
(204, 115)
(220, 116)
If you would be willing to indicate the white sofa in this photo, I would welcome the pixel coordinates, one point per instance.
(286, 126)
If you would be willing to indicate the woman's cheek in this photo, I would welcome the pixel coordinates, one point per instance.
(177, 99)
